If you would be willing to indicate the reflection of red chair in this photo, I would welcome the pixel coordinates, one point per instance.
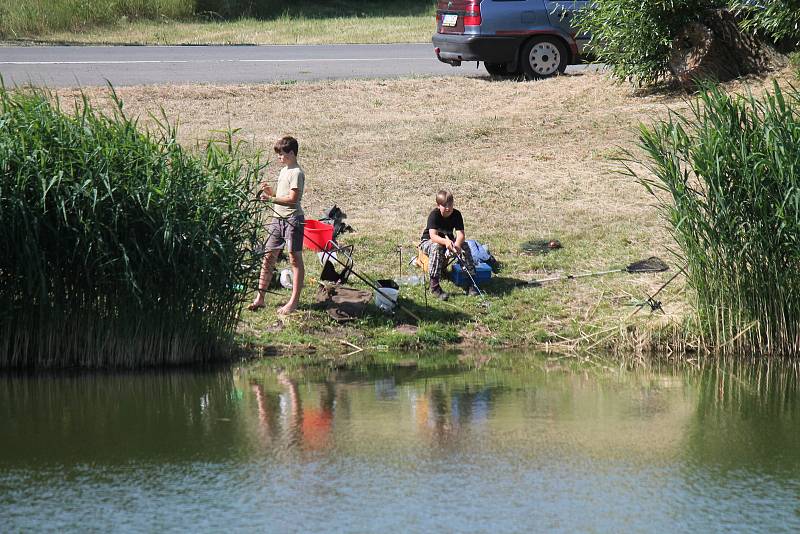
(318, 236)
(316, 427)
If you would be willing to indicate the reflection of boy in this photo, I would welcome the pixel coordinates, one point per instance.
(443, 236)
(306, 425)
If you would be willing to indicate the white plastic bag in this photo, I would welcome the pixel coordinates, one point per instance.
(286, 278)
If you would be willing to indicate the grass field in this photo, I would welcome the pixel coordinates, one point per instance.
(525, 160)
(283, 30)
(174, 22)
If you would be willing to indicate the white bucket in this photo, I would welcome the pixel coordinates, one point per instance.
(327, 256)
(386, 298)
(286, 278)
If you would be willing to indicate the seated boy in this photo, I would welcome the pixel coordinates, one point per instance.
(444, 235)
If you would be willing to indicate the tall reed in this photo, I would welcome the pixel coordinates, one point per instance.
(731, 173)
(117, 247)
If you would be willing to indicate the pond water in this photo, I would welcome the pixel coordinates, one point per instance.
(486, 443)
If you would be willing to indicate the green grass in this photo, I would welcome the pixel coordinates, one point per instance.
(513, 314)
(217, 22)
(26, 18)
(117, 248)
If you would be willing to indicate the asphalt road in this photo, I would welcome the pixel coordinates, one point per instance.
(69, 66)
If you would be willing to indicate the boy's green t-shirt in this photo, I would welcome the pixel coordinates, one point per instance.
(288, 179)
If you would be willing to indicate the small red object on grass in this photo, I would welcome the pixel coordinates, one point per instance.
(317, 235)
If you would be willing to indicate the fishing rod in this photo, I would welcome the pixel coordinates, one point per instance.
(463, 264)
(651, 299)
(650, 265)
(370, 283)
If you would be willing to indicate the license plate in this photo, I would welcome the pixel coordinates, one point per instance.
(449, 20)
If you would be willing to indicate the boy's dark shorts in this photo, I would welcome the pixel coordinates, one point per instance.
(285, 233)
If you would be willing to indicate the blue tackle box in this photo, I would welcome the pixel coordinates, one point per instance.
(460, 278)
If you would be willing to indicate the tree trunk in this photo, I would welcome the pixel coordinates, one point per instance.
(714, 48)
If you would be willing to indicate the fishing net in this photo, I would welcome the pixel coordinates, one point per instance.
(650, 265)
(540, 246)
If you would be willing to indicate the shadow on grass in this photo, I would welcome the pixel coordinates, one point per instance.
(503, 285)
(519, 77)
(405, 314)
(310, 9)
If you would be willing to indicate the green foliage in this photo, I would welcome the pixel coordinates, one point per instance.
(23, 18)
(271, 9)
(117, 248)
(731, 175)
(33, 17)
(634, 37)
(778, 19)
(232, 9)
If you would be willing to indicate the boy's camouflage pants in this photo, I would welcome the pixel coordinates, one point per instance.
(438, 256)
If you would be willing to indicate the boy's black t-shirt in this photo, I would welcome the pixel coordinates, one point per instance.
(446, 224)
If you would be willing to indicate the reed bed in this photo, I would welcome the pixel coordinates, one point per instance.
(726, 175)
(117, 247)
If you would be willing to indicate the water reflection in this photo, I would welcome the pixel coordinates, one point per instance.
(118, 417)
(288, 421)
(444, 415)
(521, 442)
(744, 409)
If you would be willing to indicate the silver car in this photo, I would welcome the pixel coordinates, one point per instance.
(511, 37)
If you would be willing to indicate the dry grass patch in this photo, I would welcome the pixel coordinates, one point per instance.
(525, 160)
(283, 30)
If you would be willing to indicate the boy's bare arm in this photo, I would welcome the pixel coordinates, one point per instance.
(441, 240)
(289, 200)
(460, 237)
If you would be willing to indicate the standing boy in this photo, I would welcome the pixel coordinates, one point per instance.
(286, 228)
(444, 234)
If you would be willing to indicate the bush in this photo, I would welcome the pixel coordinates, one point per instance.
(117, 248)
(731, 172)
(777, 19)
(634, 38)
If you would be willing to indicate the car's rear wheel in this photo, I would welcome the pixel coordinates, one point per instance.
(543, 57)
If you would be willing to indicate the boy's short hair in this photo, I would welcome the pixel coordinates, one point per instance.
(444, 197)
(287, 144)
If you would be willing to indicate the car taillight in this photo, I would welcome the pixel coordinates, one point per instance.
(472, 16)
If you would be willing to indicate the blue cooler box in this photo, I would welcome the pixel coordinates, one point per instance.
(460, 278)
